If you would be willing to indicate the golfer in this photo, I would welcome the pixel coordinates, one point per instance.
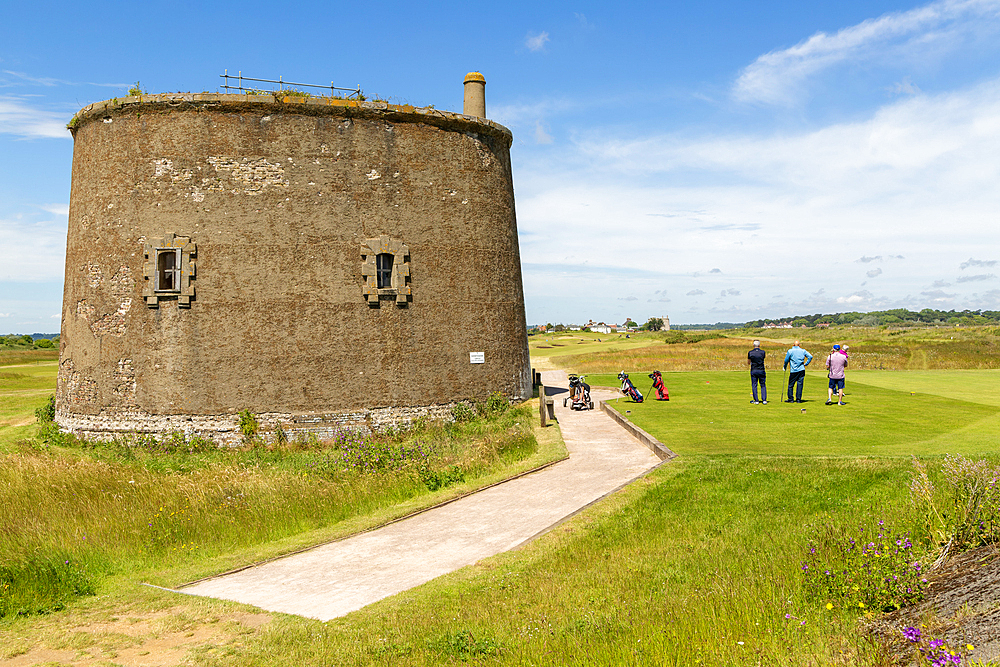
(755, 358)
(836, 364)
(796, 360)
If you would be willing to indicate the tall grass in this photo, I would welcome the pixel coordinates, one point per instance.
(871, 349)
(137, 504)
(15, 356)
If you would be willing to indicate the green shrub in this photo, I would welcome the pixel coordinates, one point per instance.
(249, 426)
(47, 413)
(496, 404)
(439, 479)
(673, 336)
(463, 412)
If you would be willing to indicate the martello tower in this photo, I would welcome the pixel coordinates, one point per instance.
(320, 262)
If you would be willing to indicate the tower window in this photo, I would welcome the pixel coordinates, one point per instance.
(383, 270)
(168, 269)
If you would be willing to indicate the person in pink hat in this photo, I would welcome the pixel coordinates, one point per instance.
(836, 364)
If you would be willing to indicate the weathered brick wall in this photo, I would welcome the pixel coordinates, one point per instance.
(278, 197)
(224, 430)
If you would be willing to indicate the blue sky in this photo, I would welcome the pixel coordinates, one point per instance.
(713, 161)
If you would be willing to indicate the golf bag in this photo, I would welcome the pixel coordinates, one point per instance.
(661, 389)
(629, 389)
(579, 394)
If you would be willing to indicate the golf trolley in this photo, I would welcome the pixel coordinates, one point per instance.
(579, 394)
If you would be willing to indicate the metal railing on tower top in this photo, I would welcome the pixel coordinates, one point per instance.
(239, 79)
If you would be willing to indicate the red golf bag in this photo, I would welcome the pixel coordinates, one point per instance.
(661, 389)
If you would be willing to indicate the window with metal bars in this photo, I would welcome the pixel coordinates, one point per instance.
(168, 270)
(383, 270)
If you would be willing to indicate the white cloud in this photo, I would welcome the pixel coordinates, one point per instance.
(541, 136)
(856, 298)
(989, 300)
(56, 209)
(904, 87)
(529, 114)
(51, 82)
(873, 273)
(938, 296)
(32, 251)
(977, 262)
(975, 278)
(914, 179)
(536, 42)
(22, 120)
(4, 314)
(778, 77)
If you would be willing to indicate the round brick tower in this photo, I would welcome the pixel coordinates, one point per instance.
(320, 262)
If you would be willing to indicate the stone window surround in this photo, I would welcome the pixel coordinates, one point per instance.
(184, 291)
(400, 288)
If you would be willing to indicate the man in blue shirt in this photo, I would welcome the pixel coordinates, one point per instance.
(797, 359)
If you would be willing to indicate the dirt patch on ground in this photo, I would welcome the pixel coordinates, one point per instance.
(962, 607)
(151, 639)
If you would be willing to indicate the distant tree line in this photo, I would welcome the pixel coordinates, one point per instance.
(898, 316)
(894, 316)
(28, 341)
(717, 325)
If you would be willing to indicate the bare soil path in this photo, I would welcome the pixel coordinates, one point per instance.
(338, 578)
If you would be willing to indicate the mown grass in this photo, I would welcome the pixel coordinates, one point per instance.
(561, 344)
(709, 413)
(977, 386)
(23, 387)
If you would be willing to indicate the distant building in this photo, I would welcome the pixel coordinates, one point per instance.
(666, 323)
(604, 328)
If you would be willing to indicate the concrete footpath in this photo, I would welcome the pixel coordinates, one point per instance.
(335, 579)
